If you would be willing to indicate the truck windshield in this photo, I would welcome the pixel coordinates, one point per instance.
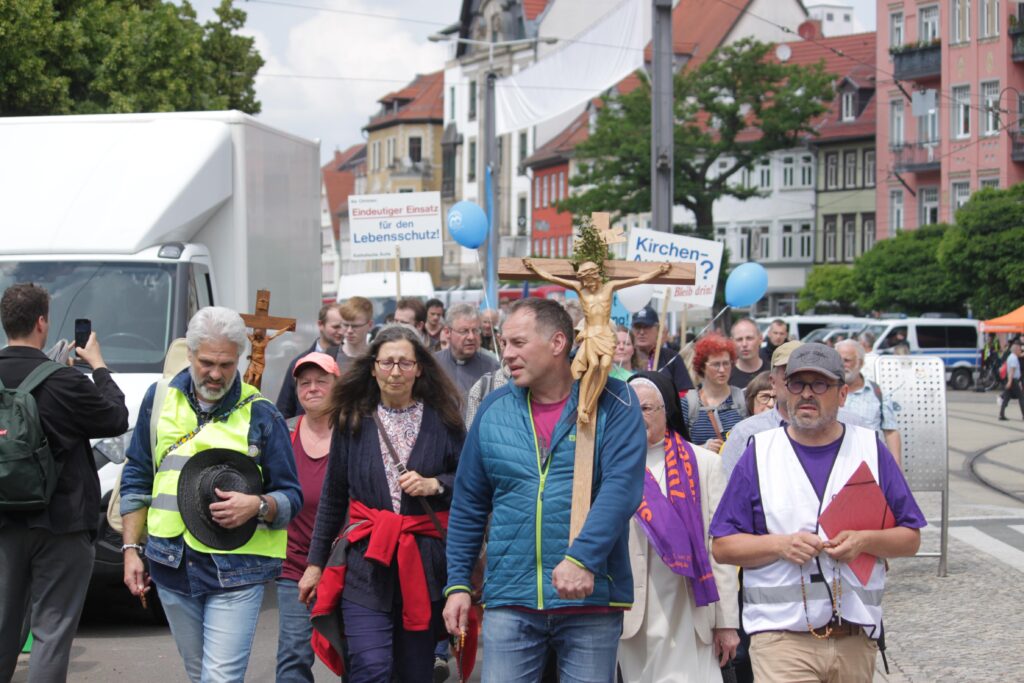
(129, 304)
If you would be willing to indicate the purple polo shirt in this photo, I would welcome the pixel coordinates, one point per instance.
(741, 512)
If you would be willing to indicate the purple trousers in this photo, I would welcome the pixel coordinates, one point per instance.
(379, 648)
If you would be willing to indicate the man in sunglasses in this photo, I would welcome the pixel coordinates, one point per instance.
(808, 613)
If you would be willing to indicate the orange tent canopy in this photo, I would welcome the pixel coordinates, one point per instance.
(1011, 322)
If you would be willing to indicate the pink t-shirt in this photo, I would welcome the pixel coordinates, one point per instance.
(311, 473)
(545, 417)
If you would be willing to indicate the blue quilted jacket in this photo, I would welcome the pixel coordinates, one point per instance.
(500, 475)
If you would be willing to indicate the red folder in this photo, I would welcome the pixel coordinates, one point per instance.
(860, 505)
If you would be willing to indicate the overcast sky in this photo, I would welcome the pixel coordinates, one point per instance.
(329, 61)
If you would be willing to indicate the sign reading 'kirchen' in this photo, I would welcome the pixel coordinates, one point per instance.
(410, 221)
(652, 245)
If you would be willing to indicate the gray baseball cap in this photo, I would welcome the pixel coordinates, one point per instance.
(815, 357)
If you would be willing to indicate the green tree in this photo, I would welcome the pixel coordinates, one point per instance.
(902, 274)
(92, 56)
(832, 286)
(983, 251)
(736, 107)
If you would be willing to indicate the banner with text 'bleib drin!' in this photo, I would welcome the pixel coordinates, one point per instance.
(653, 245)
(409, 220)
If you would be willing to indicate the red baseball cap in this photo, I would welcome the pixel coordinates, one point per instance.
(321, 360)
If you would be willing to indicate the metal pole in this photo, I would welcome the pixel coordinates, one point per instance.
(661, 118)
(490, 173)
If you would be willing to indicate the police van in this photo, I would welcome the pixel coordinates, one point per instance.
(957, 341)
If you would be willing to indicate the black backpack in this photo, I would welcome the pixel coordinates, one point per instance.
(28, 470)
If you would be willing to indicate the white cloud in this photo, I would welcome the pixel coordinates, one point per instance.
(378, 55)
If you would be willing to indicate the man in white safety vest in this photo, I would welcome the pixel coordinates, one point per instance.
(810, 617)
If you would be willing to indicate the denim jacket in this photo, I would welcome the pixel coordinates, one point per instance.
(207, 572)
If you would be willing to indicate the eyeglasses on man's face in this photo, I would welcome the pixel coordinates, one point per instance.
(818, 386)
(404, 365)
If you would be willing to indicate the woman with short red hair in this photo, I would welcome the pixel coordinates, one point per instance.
(715, 407)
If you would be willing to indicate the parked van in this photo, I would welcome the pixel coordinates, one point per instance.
(956, 340)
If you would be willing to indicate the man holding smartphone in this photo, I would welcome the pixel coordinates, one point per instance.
(43, 551)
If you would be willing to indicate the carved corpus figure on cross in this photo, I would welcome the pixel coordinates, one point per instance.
(260, 322)
(595, 335)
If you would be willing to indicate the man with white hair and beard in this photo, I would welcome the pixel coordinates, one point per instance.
(808, 613)
(866, 398)
(211, 595)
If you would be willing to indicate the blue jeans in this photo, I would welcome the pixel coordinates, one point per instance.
(214, 632)
(516, 643)
(294, 652)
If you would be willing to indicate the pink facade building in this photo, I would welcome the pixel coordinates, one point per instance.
(954, 126)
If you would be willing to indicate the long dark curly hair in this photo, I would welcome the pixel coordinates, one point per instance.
(356, 395)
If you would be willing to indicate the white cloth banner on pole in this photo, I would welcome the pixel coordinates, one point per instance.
(585, 67)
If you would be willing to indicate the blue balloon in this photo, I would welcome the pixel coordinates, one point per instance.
(746, 284)
(467, 224)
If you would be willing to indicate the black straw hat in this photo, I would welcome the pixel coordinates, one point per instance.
(216, 468)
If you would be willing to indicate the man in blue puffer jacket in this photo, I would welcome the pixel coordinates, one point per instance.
(517, 466)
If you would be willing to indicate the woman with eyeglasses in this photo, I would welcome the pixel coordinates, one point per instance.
(390, 470)
(682, 626)
(714, 407)
(760, 396)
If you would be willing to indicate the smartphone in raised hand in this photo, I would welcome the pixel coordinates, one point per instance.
(83, 328)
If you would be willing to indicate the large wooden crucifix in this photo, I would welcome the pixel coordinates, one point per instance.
(260, 322)
(595, 335)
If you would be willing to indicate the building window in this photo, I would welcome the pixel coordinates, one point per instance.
(451, 103)
(392, 148)
(849, 169)
(960, 193)
(472, 101)
(990, 105)
(521, 215)
(831, 171)
(869, 168)
(788, 171)
(764, 243)
(928, 24)
(928, 123)
(895, 29)
(471, 161)
(375, 156)
(867, 222)
(806, 237)
(849, 106)
(415, 149)
(764, 175)
(928, 206)
(744, 244)
(547, 192)
(961, 21)
(536, 192)
(523, 149)
(787, 241)
(962, 112)
(849, 236)
(896, 123)
(992, 183)
(895, 211)
(806, 170)
(988, 21)
(830, 238)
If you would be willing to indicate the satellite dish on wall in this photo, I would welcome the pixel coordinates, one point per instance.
(783, 52)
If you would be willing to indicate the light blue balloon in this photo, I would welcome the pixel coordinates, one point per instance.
(467, 224)
(746, 284)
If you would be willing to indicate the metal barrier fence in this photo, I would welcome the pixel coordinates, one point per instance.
(917, 387)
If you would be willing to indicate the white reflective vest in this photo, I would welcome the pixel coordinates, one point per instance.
(772, 594)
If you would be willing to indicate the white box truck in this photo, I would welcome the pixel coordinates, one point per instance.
(136, 221)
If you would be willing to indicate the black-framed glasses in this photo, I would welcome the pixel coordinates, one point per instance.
(766, 398)
(387, 365)
(818, 386)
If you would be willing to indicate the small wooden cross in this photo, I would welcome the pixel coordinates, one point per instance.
(592, 369)
(260, 322)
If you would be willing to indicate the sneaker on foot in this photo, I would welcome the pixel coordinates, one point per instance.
(441, 670)
(1002, 418)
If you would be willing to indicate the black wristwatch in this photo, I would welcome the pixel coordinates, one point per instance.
(264, 509)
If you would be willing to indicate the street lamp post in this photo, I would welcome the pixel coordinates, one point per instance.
(490, 149)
